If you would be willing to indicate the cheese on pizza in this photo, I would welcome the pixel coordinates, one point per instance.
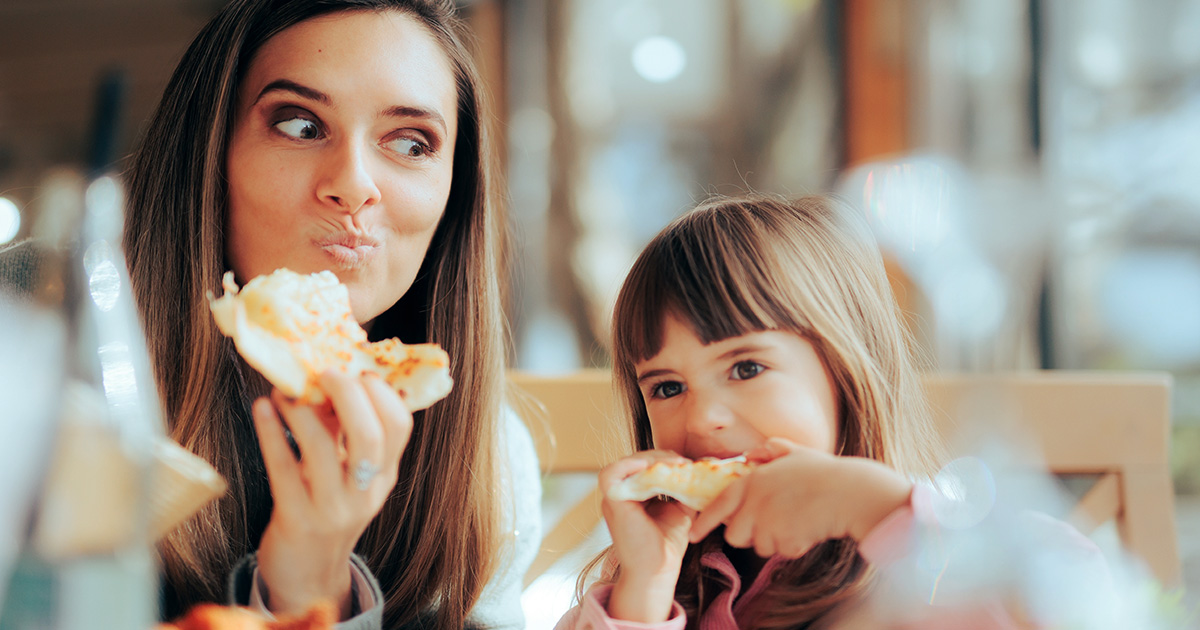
(292, 327)
(694, 484)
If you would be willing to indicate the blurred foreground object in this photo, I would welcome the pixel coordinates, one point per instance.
(214, 617)
(90, 503)
(975, 246)
(113, 482)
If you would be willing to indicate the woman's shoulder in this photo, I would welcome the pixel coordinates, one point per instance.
(517, 437)
(521, 456)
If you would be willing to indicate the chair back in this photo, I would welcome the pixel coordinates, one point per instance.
(1110, 426)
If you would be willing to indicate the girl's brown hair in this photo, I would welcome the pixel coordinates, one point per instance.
(435, 543)
(809, 266)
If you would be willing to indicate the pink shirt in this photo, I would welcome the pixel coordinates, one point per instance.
(885, 544)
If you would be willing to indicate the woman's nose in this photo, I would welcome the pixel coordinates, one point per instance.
(345, 181)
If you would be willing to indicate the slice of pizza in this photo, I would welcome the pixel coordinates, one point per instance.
(695, 484)
(292, 327)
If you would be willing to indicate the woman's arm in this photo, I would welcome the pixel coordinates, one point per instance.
(322, 501)
(246, 589)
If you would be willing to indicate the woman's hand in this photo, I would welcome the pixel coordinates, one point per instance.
(649, 539)
(799, 497)
(324, 502)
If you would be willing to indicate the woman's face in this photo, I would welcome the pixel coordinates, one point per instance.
(341, 155)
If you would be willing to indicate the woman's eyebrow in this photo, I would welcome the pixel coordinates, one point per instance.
(284, 85)
(406, 111)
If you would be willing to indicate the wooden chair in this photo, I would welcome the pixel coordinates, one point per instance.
(1111, 425)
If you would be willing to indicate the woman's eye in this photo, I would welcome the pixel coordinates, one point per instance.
(410, 147)
(667, 389)
(299, 128)
(744, 370)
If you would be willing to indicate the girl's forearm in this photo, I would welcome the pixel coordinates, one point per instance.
(643, 600)
(883, 490)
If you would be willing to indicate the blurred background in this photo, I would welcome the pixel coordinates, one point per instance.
(1027, 164)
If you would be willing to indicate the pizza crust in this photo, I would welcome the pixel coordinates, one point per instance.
(694, 484)
(292, 327)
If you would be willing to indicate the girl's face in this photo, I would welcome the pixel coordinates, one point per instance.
(727, 397)
(341, 154)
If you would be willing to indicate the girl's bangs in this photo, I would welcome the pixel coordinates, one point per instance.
(710, 276)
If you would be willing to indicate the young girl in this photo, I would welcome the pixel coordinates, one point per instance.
(763, 327)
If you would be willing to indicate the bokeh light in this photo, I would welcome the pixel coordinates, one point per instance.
(104, 280)
(659, 59)
(966, 493)
(10, 220)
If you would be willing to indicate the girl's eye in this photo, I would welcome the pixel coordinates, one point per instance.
(410, 147)
(745, 370)
(299, 128)
(666, 389)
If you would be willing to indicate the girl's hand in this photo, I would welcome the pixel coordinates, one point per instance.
(649, 539)
(801, 497)
(324, 502)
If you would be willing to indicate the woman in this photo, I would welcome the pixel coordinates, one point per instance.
(341, 135)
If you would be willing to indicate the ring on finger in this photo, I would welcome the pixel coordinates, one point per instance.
(363, 473)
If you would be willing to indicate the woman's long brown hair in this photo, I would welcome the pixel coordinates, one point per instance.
(734, 266)
(435, 542)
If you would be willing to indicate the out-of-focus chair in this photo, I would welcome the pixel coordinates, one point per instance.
(1114, 426)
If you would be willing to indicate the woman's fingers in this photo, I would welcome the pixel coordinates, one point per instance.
(320, 466)
(360, 424)
(396, 420)
(283, 470)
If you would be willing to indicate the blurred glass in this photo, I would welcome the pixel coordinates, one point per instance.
(86, 559)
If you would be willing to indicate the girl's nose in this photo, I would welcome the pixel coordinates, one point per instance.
(345, 181)
(707, 414)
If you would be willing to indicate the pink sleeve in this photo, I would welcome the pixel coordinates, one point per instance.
(893, 537)
(592, 614)
(911, 535)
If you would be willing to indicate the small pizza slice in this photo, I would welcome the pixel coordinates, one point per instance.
(695, 484)
(292, 327)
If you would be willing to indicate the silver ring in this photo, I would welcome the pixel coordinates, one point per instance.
(363, 473)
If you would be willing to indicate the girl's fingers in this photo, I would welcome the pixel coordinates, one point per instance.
(772, 449)
(669, 514)
(319, 464)
(617, 471)
(739, 530)
(789, 549)
(283, 471)
(360, 424)
(725, 505)
(764, 546)
(396, 420)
